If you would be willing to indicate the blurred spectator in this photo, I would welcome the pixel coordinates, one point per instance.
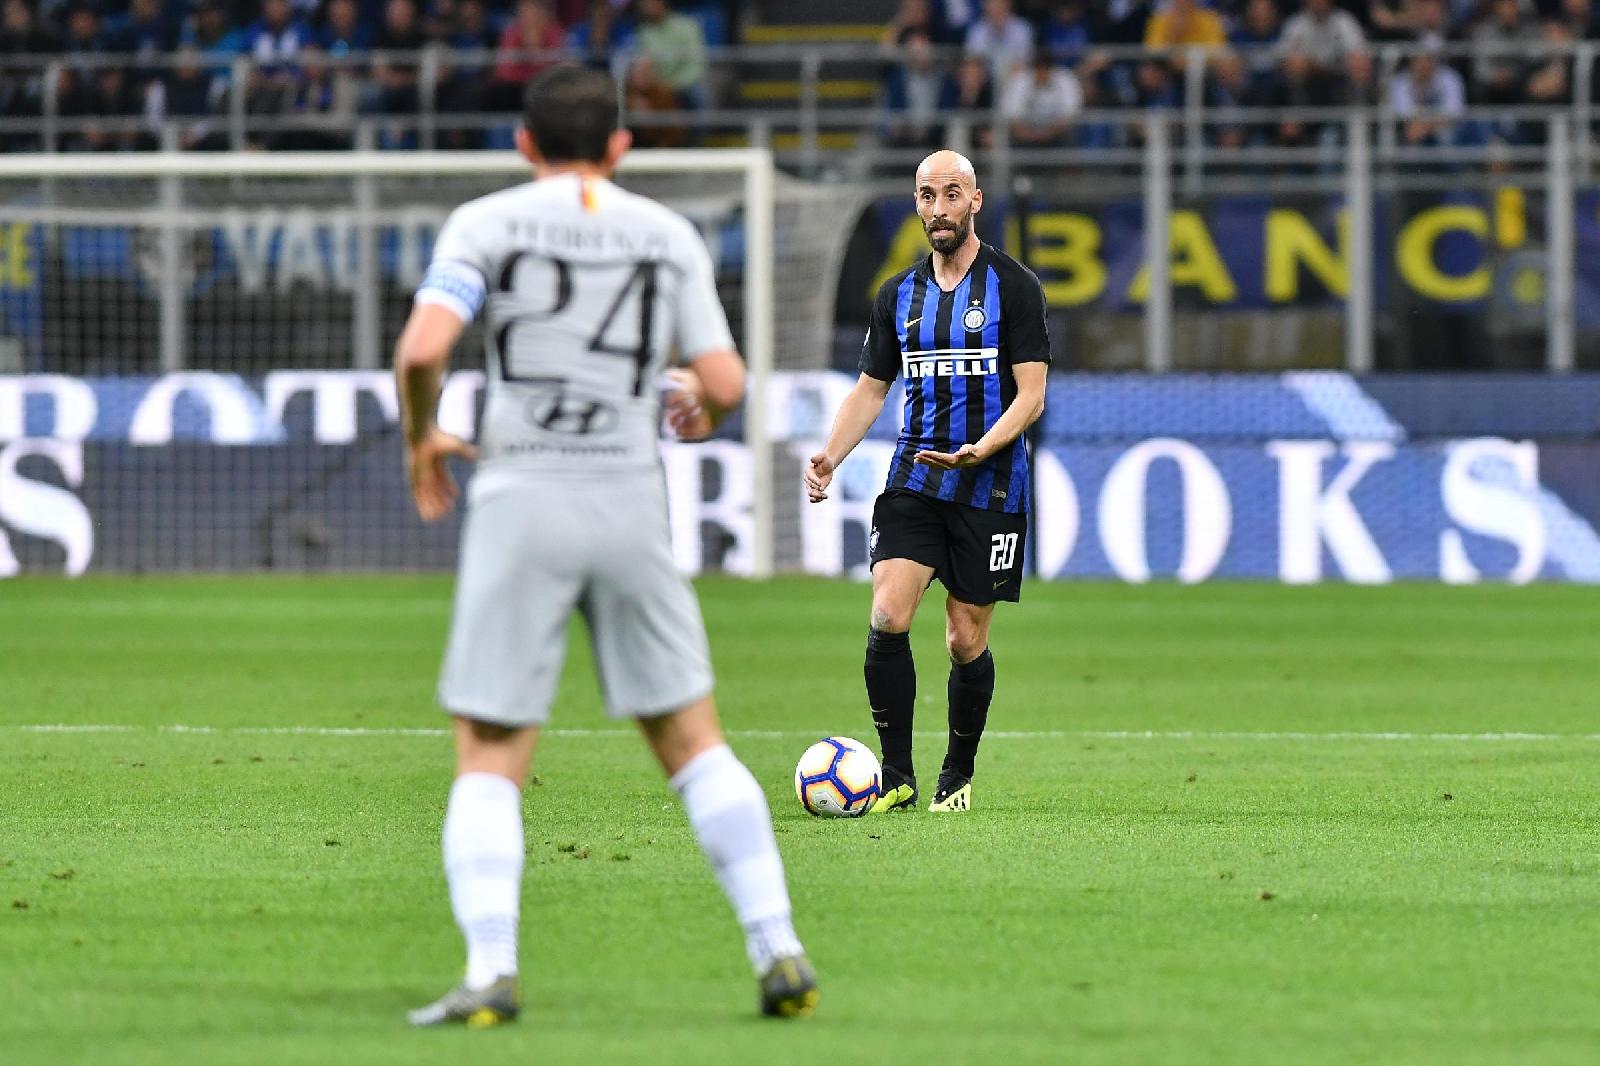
(912, 89)
(343, 32)
(604, 31)
(83, 45)
(1580, 20)
(912, 16)
(1067, 33)
(1105, 83)
(1361, 80)
(1002, 38)
(276, 37)
(1430, 18)
(1428, 97)
(325, 93)
(274, 41)
(462, 81)
(208, 30)
(145, 34)
(394, 65)
(1257, 33)
(189, 92)
(1259, 25)
(677, 50)
(1318, 45)
(21, 33)
(1123, 21)
(438, 19)
(647, 93)
(531, 31)
(106, 94)
(1296, 88)
(1551, 81)
(1041, 101)
(1463, 12)
(21, 84)
(1392, 20)
(951, 19)
(471, 31)
(1184, 22)
(1233, 85)
(402, 28)
(969, 88)
(1324, 35)
(85, 38)
(1502, 61)
(1155, 86)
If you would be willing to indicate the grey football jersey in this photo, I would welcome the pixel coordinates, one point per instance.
(586, 290)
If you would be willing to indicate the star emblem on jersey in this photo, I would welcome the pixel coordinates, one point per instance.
(974, 319)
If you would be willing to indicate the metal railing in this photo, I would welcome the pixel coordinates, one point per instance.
(1359, 178)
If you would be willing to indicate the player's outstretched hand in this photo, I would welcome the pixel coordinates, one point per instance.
(819, 475)
(432, 487)
(966, 455)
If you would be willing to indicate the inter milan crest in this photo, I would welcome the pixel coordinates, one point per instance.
(974, 319)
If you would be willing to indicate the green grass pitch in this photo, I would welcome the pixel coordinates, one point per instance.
(1197, 837)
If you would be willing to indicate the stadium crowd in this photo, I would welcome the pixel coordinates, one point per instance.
(150, 63)
(325, 61)
(1042, 65)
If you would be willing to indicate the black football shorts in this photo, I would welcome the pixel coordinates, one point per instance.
(976, 554)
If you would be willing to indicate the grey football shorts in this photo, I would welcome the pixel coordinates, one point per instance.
(535, 549)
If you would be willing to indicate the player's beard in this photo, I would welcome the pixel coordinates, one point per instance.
(947, 241)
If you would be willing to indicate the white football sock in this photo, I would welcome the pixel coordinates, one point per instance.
(729, 815)
(483, 862)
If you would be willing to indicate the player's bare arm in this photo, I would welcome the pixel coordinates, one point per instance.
(703, 393)
(419, 361)
(856, 415)
(1024, 411)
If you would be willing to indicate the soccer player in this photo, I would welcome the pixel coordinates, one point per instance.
(586, 289)
(966, 329)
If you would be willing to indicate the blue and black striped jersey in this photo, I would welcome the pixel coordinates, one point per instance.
(955, 351)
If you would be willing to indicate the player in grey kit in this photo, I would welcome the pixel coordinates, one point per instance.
(586, 291)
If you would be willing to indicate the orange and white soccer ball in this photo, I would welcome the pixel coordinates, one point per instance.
(838, 778)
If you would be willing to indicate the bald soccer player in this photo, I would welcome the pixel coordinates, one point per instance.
(965, 329)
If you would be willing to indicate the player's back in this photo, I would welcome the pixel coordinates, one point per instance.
(584, 290)
(589, 289)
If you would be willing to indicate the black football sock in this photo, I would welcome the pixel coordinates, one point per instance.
(971, 689)
(892, 693)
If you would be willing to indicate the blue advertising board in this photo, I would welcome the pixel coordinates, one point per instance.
(1296, 477)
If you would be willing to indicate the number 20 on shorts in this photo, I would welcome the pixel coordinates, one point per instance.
(1002, 551)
